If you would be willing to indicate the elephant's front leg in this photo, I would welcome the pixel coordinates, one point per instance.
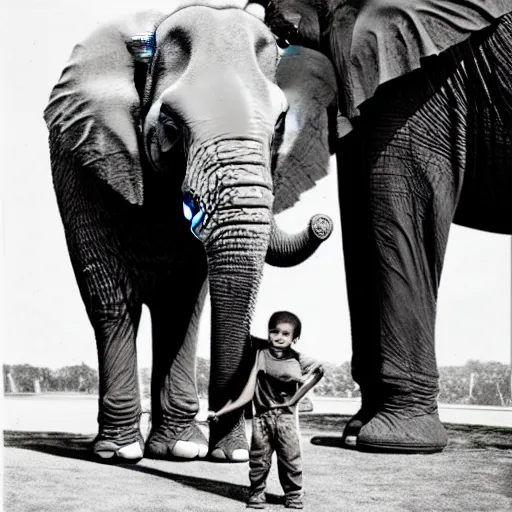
(175, 314)
(361, 268)
(228, 440)
(119, 438)
(231, 363)
(414, 176)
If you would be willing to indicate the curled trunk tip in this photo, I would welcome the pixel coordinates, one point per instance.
(321, 226)
(288, 250)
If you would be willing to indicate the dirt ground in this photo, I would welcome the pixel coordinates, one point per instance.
(45, 471)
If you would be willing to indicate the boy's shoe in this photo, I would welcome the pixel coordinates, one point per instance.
(257, 501)
(294, 503)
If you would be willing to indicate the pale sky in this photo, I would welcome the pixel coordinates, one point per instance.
(43, 319)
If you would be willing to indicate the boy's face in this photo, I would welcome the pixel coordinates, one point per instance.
(281, 336)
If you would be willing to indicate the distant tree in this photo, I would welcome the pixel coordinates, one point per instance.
(87, 379)
(337, 382)
(24, 375)
(7, 383)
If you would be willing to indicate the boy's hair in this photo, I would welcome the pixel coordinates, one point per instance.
(285, 316)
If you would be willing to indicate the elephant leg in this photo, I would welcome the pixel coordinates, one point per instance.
(411, 232)
(427, 131)
(415, 178)
(175, 404)
(115, 326)
(228, 441)
(416, 148)
(360, 258)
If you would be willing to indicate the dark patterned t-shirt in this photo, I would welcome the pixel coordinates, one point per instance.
(277, 380)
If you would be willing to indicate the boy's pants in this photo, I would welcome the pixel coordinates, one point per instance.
(275, 431)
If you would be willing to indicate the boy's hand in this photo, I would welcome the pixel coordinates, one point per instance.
(314, 369)
(212, 417)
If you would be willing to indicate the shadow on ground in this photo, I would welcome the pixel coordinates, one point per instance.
(76, 446)
(473, 474)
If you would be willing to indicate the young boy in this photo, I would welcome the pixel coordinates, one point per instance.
(279, 378)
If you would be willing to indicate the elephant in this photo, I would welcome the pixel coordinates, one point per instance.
(424, 89)
(171, 145)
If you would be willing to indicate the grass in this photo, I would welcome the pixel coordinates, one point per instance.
(47, 471)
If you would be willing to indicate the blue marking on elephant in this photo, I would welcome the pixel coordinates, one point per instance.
(196, 220)
(192, 213)
(292, 49)
(143, 46)
(187, 211)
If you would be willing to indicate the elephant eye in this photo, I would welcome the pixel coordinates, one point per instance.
(170, 133)
(280, 123)
(282, 43)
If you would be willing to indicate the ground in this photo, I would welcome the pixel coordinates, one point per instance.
(46, 471)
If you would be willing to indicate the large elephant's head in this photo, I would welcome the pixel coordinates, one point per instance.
(196, 92)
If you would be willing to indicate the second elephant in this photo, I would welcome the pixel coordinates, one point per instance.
(427, 86)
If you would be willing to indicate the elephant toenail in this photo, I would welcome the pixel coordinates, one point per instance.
(203, 451)
(185, 450)
(218, 454)
(240, 455)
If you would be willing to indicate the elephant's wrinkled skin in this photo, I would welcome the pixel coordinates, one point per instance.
(142, 133)
(431, 144)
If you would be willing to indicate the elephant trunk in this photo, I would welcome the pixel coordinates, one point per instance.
(288, 250)
(228, 186)
(234, 275)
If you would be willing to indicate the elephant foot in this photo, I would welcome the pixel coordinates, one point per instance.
(403, 431)
(228, 441)
(184, 442)
(122, 445)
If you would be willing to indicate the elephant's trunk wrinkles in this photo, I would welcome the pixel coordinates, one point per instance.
(233, 183)
(288, 250)
(234, 275)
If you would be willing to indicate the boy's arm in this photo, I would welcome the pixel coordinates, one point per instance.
(245, 396)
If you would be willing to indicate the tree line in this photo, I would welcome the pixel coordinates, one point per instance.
(474, 383)
(25, 378)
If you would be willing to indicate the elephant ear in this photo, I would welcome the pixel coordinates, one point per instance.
(310, 127)
(93, 112)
